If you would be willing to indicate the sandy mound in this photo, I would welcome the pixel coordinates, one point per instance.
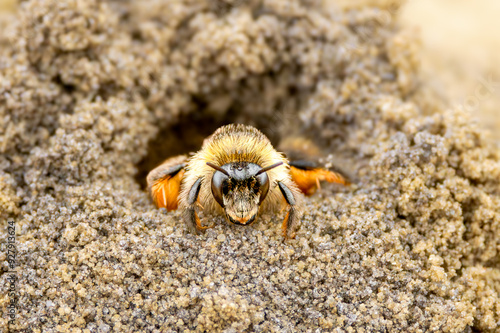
(93, 94)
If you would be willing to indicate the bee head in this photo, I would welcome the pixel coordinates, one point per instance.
(240, 188)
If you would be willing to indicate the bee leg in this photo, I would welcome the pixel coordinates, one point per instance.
(293, 215)
(307, 175)
(190, 217)
(164, 182)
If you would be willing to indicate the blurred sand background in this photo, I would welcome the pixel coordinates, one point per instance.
(460, 50)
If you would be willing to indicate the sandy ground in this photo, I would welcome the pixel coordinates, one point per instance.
(460, 51)
(93, 94)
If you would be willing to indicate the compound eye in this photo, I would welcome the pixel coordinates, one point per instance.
(219, 186)
(264, 185)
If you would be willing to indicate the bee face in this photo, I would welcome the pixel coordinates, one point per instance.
(239, 188)
(231, 175)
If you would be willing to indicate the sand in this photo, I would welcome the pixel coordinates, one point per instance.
(93, 94)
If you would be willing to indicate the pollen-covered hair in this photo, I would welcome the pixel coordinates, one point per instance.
(236, 143)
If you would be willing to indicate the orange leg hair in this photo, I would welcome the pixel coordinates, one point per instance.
(308, 179)
(199, 226)
(292, 217)
(164, 182)
(284, 226)
(190, 215)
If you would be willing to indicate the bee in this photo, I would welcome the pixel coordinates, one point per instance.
(237, 174)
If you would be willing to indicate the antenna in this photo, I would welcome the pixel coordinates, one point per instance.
(268, 168)
(218, 168)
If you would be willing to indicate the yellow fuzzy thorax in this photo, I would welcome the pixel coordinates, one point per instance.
(238, 143)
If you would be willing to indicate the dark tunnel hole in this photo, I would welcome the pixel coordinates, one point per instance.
(184, 137)
(187, 134)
